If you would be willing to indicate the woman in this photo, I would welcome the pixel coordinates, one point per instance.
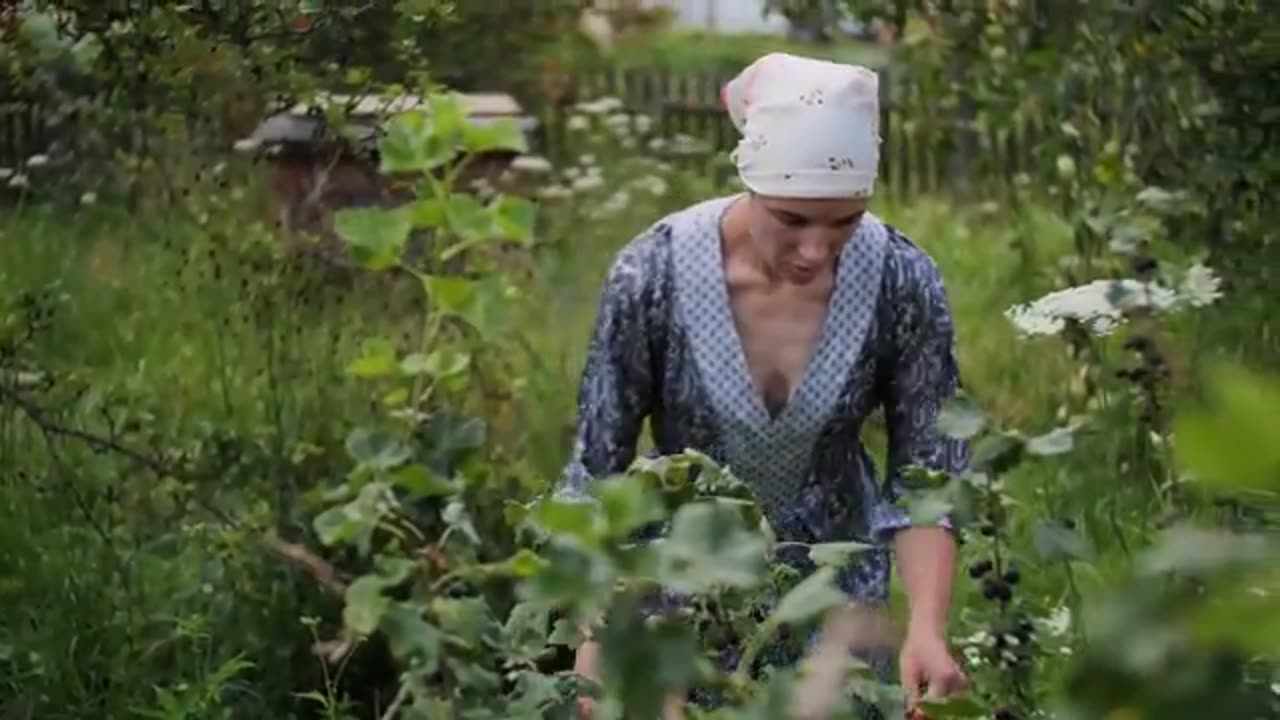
(764, 328)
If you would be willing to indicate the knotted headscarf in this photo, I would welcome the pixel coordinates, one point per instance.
(810, 128)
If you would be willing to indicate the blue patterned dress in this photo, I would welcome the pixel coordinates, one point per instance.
(665, 347)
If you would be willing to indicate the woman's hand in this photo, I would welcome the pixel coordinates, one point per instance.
(925, 662)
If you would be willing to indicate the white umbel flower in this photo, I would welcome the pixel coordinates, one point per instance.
(1200, 286)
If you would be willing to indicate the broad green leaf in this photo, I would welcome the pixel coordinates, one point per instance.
(929, 508)
(515, 218)
(1054, 442)
(453, 295)
(376, 449)
(448, 115)
(365, 604)
(1055, 542)
(1204, 552)
(499, 134)
(629, 502)
(525, 563)
(377, 359)
(814, 595)
(413, 144)
(525, 632)
(421, 482)
(428, 213)
(566, 517)
(355, 521)
(961, 419)
(447, 362)
(411, 638)
(958, 707)
(1232, 443)
(414, 364)
(836, 553)
(997, 454)
(376, 236)
(571, 577)
(469, 219)
(710, 547)
(466, 619)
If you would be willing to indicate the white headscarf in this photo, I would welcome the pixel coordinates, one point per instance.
(810, 128)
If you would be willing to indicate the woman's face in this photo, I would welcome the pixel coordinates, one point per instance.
(801, 239)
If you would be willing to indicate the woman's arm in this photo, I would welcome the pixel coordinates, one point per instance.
(924, 377)
(616, 390)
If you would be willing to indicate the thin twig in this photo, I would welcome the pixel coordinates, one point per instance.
(399, 699)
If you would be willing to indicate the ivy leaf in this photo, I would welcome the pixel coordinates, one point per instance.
(376, 236)
(365, 604)
(708, 547)
(814, 595)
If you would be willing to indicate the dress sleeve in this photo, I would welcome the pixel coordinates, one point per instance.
(924, 376)
(616, 391)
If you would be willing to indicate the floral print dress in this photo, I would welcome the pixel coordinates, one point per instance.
(665, 347)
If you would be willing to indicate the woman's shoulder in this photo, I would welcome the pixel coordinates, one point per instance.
(646, 257)
(909, 269)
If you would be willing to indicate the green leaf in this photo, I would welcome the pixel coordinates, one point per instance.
(456, 516)
(469, 219)
(499, 134)
(709, 547)
(814, 595)
(448, 114)
(957, 707)
(1056, 542)
(365, 604)
(452, 295)
(514, 217)
(836, 554)
(377, 359)
(376, 236)
(997, 454)
(466, 619)
(961, 419)
(525, 632)
(525, 563)
(412, 638)
(629, 502)
(414, 144)
(1232, 442)
(448, 362)
(376, 449)
(422, 482)
(929, 508)
(354, 522)
(1054, 442)
(567, 517)
(428, 213)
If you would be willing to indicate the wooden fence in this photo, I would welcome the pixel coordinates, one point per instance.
(921, 152)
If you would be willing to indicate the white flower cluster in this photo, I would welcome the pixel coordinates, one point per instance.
(1099, 306)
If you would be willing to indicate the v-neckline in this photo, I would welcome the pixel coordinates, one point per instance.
(795, 392)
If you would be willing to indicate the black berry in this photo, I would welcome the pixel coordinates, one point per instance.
(1012, 576)
(1005, 714)
(980, 568)
(988, 530)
